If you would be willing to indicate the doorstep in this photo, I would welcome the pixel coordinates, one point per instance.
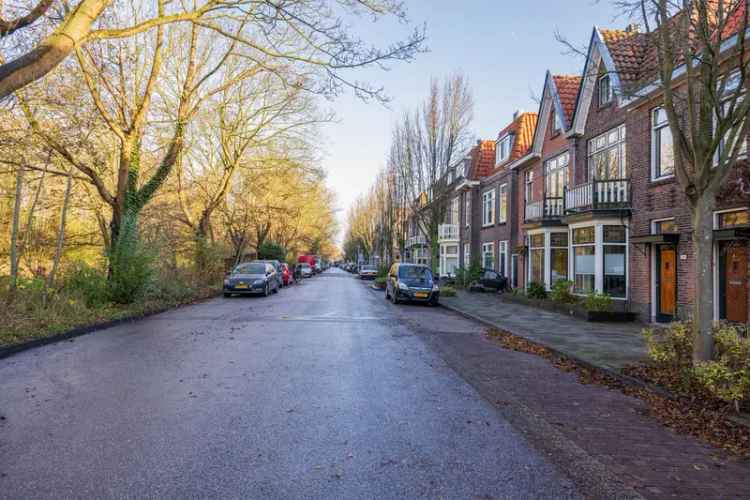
(609, 346)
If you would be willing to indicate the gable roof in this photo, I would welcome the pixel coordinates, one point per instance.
(566, 88)
(522, 128)
(483, 159)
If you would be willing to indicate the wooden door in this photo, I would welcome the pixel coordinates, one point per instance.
(667, 281)
(735, 282)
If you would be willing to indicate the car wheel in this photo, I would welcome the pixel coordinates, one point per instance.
(226, 294)
(387, 296)
(266, 291)
(394, 299)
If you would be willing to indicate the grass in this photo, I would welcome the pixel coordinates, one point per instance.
(29, 317)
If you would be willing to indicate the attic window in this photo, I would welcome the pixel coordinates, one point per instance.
(605, 90)
(502, 151)
(556, 126)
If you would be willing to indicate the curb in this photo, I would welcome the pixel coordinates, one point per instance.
(625, 379)
(6, 352)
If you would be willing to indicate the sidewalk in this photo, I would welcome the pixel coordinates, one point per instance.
(606, 345)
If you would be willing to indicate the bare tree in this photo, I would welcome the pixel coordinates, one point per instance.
(701, 72)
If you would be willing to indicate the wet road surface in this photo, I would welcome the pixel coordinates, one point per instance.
(320, 391)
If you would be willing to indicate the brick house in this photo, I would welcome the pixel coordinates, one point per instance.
(498, 197)
(478, 164)
(542, 239)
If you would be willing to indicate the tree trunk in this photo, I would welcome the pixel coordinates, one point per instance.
(60, 234)
(703, 302)
(14, 231)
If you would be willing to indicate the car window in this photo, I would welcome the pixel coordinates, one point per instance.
(415, 273)
(252, 268)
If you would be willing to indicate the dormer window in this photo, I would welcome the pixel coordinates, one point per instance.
(502, 151)
(605, 90)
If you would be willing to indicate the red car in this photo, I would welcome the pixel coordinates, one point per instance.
(286, 275)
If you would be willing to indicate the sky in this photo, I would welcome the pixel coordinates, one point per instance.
(503, 47)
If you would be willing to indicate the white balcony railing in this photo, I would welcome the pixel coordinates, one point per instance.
(413, 241)
(534, 210)
(550, 208)
(598, 194)
(448, 232)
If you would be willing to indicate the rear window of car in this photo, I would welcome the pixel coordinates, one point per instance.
(253, 268)
(414, 272)
(368, 268)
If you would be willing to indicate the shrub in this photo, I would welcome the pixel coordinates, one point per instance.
(727, 377)
(380, 281)
(270, 250)
(461, 277)
(448, 291)
(561, 292)
(671, 347)
(597, 302)
(130, 267)
(382, 271)
(86, 282)
(536, 290)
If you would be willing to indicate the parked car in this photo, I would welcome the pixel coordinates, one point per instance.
(411, 282)
(251, 278)
(277, 266)
(306, 270)
(492, 281)
(368, 272)
(286, 275)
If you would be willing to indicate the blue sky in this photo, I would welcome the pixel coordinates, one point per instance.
(504, 48)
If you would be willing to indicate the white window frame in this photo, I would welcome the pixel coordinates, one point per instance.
(530, 260)
(502, 252)
(554, 166)
(503, 147)
(490, 245)
(488, 200)
(467, 255)
(528, 186)
(467, 209)
(656, 128)
(602, 98)
(603, 143)
(502, 216)
(599, 252)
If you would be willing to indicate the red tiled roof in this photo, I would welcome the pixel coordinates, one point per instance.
(627, 49)
(523, 129)
(567, 90)
(483, 159)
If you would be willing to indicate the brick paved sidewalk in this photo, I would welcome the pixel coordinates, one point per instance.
(608, 426)
(606, 345)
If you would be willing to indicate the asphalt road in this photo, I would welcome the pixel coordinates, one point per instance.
(322, 391)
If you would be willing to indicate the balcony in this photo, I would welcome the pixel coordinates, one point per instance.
(418, 240)
(447, 232)
(605, 195)
(550, 209)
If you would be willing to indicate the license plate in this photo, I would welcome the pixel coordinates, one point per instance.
(241, 286)
(421, 295)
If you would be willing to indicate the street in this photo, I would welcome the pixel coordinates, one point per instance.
(321, 391)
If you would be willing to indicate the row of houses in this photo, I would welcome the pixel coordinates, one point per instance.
(584, 190)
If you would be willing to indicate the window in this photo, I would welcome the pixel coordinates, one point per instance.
(733, 219)
(467, 255)
(488, 255)
(503, 215)
(555, 122)
(528, 193)
(453, 215)
(606, 155)
(664, 226)
(502, 149)
(555, 175)
(558, 257)
(605, 90)
(488, 208)
(615, 238)
(730, 87)
(584, 261)
(467, 208)
(536, 258)
(662, 147)
(503, 257)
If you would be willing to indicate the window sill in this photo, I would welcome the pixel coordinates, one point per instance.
(491, 224)
(659, 181)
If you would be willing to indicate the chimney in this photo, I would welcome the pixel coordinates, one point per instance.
(516, 114)
(633, 28)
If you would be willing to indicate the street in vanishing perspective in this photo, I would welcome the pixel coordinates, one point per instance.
(374, 249)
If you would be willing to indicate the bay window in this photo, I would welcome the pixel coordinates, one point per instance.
(584, 261)
(558, 257)
(536, 258)
(488, 255)
(615, 240)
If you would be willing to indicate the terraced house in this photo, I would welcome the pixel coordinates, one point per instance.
(585, 191)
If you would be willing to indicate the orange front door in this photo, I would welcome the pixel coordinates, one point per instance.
(735, 291)
(667, 281)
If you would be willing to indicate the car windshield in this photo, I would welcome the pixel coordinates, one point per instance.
(368, 268)
(415, 274)
(252, 268)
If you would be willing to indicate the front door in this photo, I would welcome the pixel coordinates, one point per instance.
(667, 284)
(735, 283)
